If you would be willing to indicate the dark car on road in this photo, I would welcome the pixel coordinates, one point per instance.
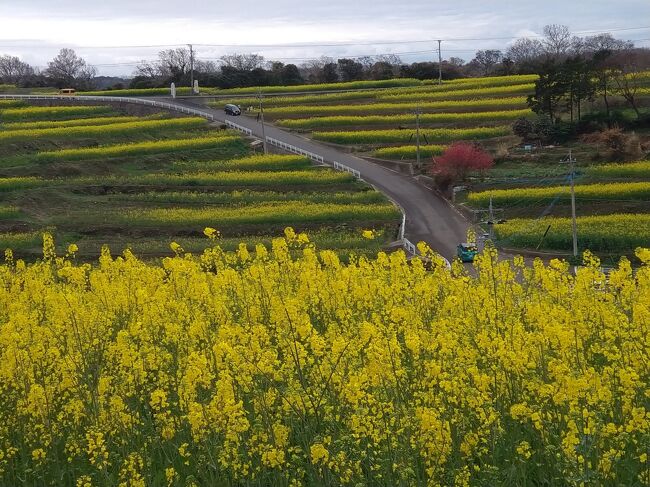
(231, 109)
(467, 252)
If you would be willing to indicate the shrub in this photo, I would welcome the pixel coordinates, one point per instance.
(459, 159)
(523, 127)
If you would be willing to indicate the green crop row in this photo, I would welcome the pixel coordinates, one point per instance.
(224, 179)
(183, 90)
(514, 79)
(349, 85)
(464, 84)
(609, 233)
(401, 135)
(51, 113)
(460, 93)
(315, 110)
(9, 212)
(18, 183)
(427, 118)
(19, 241)
(408, 152)
(77, 122)
(241, 198)
(639, 169)
(11, 104)
(276, 101)
(604, 192)
(271, 162)
(291, 212)
(124, 150)
(103, 131)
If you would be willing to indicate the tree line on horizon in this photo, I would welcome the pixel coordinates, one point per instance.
(524, 56)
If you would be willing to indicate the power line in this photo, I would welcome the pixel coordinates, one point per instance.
(336, 44)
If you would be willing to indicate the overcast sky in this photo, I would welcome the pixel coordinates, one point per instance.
(35, 30)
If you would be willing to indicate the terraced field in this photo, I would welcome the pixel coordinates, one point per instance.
(94, 175)
(612, 201)
(380, 121)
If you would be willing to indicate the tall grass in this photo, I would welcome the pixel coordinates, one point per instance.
(51, 113)
(103, 131)
(426, 118)
(390, 136)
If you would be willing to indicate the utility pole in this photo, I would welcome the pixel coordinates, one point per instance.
(191, 69)
(439, 63)
(573, 206)
(418, 111)
(259, 97)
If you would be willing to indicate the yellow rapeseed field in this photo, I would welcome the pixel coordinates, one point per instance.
(257, 368)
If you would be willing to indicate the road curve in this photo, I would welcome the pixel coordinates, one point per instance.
(429, 217)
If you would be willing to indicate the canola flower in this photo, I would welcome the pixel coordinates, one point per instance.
(257, 368)
(28, 113)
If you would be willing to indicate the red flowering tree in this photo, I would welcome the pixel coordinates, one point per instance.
(459, 159)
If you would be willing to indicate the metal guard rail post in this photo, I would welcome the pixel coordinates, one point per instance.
(295, 150)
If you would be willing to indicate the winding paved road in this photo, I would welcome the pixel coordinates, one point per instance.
(429, 217)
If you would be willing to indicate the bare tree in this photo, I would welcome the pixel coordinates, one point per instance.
(392, 59)
(67, 68)
(456, 61)
(205, 66)
(148, 69)
(525, 50)
(488, 59)
(242, 62)
(312, 70)
(175, 62)
(607, 42)
(13, 70)
(627, 82)
(557, 40)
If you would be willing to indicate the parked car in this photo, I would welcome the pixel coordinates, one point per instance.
(231, 109)
(68, 91)
(466, 252)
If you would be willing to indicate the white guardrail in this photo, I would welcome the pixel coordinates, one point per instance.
(137, 101)
(295, 150)
(408, 245)
(342, 167)
(241, 128)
